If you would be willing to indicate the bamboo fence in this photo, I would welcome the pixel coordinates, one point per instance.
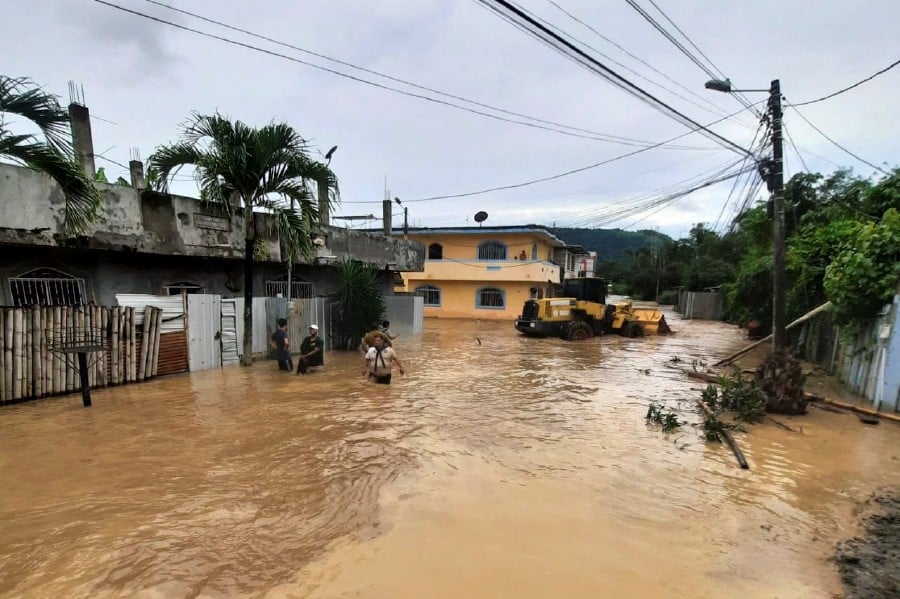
(37, 347)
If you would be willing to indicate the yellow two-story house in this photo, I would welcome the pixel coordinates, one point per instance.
(485, 272)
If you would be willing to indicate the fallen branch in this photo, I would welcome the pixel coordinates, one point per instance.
(783, 425)
(802, 319)
(728, 439)
(859, 410)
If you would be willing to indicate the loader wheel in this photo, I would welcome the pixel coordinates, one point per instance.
(579, 331)
(633, 329)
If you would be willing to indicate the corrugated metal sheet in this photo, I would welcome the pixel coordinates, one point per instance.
(172, 306)
(204, 323)
(260, 339)
(231, 352)
(406, 313)
(173, 353)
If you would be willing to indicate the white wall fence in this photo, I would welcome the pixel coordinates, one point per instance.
(868, 364)
(703, 305)
(216, 330)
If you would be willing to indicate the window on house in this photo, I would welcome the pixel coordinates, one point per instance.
(492, 250)
(182, 287)
(490, 298)
(46, 287)
(430, 293)
(435, 251)
(535, 293)
(300, 289)
(534, 251)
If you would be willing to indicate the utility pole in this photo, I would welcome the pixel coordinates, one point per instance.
(405, 223)
(777, 179)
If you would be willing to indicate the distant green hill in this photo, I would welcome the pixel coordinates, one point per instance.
(610, 244)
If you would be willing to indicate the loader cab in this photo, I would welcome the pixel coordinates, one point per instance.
(586, 289)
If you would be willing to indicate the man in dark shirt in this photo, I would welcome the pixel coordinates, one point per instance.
(312, 351)
(282, 346)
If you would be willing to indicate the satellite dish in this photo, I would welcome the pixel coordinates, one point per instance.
(481, 216)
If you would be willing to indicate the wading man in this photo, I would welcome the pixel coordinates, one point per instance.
(380, 361)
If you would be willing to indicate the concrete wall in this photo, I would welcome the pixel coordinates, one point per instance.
(141, 221)
(458, 299)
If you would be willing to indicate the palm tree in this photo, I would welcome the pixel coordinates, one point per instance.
(51, 155)
(267, 169)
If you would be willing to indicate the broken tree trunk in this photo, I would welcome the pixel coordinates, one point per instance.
(801, 320)
(781, 378)
(742, 461)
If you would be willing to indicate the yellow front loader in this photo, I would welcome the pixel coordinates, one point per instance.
(581, 313)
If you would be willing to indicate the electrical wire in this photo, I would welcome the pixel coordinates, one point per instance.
(389, 77)
(573, 131)
(516, 16)
(657, 201)
(794, 146)
(711, 72)
(716, 108)
(553, 177)
(737, 180)
(585, 217)
(849, 87)
(822, 133)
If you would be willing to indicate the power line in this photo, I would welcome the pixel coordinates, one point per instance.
(573, 131)
(718, 110)
(554, 40)
(796, 151)
(644, 202)
(822, 133)
(713, 74)
(849, 87)
(560, 175)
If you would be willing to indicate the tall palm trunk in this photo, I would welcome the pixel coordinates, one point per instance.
(249, 242)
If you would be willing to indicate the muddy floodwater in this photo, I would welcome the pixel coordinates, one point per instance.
(499, 466)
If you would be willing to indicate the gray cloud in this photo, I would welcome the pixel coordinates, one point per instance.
(147, 78)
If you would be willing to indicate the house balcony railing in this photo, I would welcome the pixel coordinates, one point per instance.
(488, 270)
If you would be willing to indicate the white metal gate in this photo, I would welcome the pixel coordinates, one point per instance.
(204, 326)
(231, 349)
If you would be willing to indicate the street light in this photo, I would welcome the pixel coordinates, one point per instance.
(774, 175)
(405, 218)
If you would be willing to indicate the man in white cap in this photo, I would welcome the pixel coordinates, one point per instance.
(312, 351)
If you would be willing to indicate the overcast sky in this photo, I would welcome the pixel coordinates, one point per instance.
(144, 78)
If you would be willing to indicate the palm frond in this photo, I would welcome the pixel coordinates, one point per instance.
(82, 198)
(168, 160)
(25, 98)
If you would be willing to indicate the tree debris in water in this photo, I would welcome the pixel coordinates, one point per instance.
(668, 419)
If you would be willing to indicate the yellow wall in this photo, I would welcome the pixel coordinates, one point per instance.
(458, 300)
(465, 247)
(459, 274)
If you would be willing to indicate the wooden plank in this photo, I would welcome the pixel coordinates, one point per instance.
(17, 353)
(3, 384)
(37, 370)
(157, 332)
(113, 344)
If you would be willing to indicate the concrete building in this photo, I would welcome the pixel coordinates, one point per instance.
(152, 243)
(489, 272)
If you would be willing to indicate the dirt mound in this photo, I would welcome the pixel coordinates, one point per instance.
(870, 564)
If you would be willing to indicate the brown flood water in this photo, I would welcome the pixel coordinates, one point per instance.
(511, 468)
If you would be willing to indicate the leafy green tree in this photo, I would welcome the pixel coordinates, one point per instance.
(50, 153)
(359, 302)
(267, 169)
(864, 274)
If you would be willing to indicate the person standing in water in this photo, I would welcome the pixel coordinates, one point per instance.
(311, 351)
(388, 333)
(282, 346)
(380, 361)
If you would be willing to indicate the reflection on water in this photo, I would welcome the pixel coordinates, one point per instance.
(509, 467)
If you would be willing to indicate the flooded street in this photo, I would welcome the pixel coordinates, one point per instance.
(499, 466)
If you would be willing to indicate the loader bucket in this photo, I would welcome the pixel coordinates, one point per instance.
(652, 320)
